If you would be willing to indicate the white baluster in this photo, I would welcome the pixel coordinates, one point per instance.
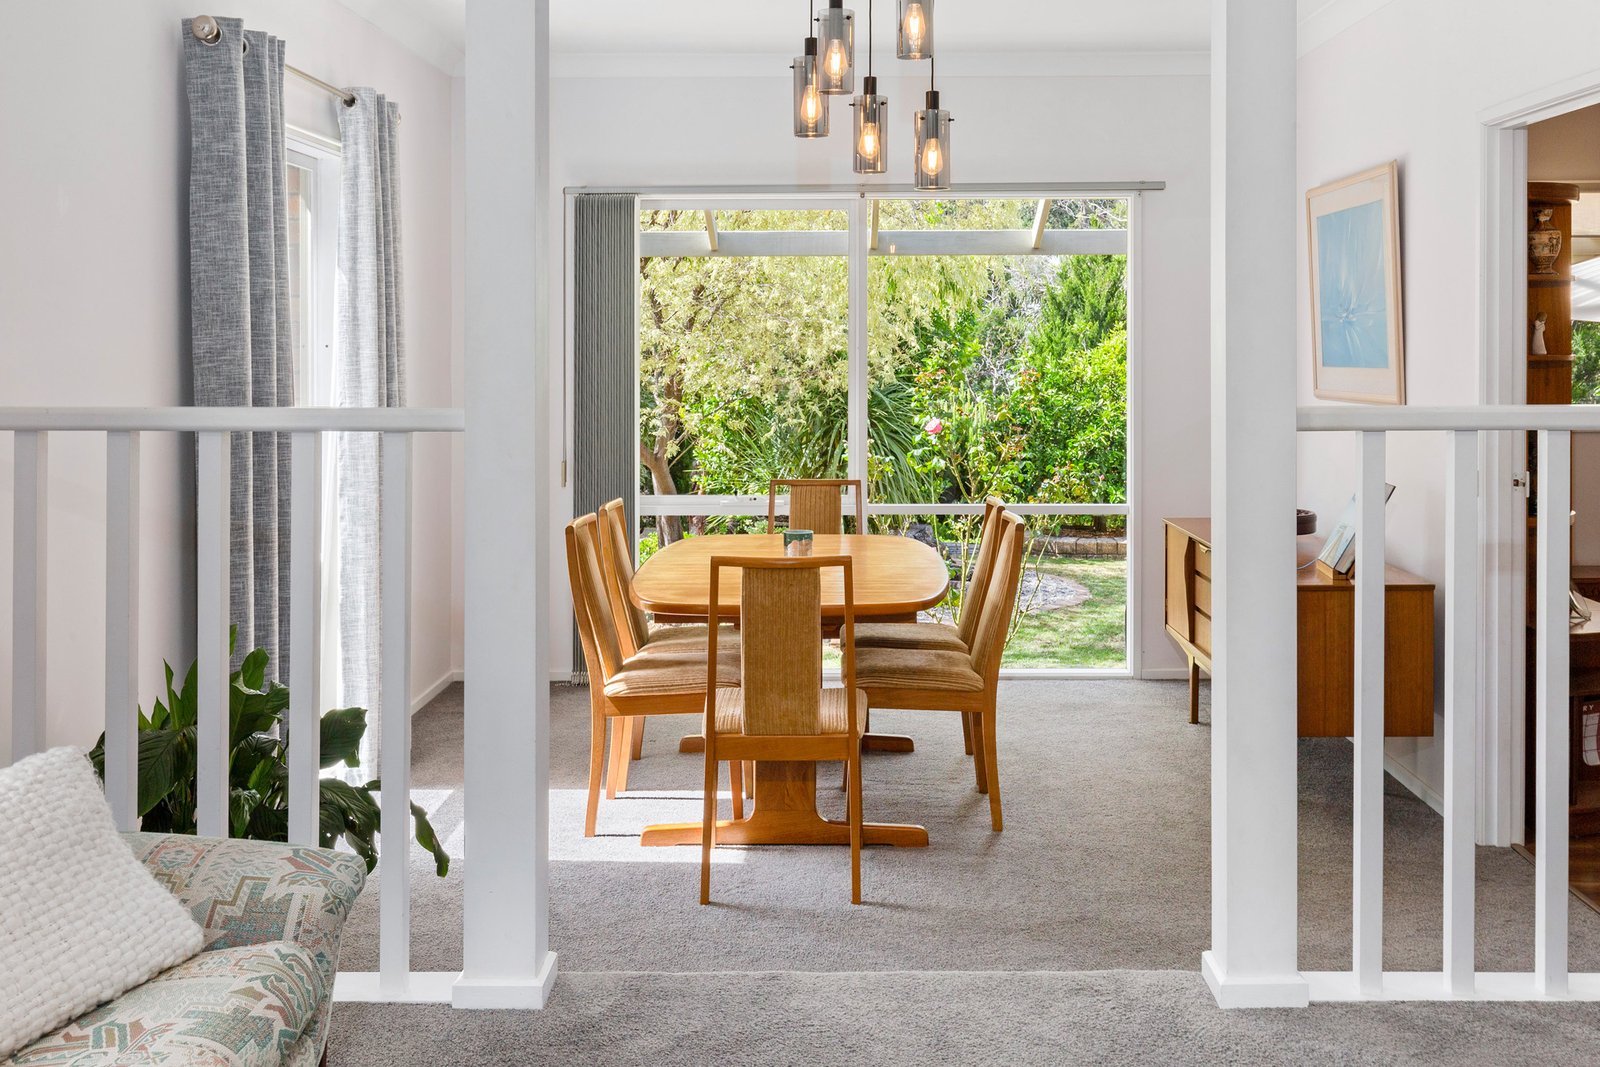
(212, 539)
(1462, 570)
(29, 560)
(394, 871)
(1367, 929)
(305, 636)
(122, 627)
(1552, 741)
(28, 619)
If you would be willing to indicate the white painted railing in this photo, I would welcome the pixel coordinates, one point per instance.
(1459, 979)
(212, 428)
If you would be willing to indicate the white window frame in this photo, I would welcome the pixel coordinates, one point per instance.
(316, 373)
(859, 242)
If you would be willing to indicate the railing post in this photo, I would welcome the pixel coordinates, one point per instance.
(1552, 740)
(212, 525)
(122, 628)
(394, 589)
(28, 583)
(507, 962)
(1462, 574)
(305, 636)
(1367, 898)
(1252, 962)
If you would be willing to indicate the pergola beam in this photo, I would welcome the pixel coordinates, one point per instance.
(711, 229)
(1041, 219)
(688, 243)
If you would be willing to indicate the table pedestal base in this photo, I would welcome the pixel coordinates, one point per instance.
(872, 743)
(785, 813)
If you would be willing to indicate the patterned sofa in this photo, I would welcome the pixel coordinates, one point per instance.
(259, 994)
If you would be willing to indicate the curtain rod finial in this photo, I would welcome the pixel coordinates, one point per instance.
(205, 29)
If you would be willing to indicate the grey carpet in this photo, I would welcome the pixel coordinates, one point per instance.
(1009, 1018)
(1103, 867)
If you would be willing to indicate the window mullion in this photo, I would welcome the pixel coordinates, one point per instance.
(856, 428)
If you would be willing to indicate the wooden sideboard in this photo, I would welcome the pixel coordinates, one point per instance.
(1326, 637)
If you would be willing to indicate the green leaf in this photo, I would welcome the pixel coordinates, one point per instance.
(430, 841)
(242, 804)
(158, 762)
(342, 731)
(253, 671)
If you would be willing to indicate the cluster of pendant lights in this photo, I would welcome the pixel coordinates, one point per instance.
(828, 68)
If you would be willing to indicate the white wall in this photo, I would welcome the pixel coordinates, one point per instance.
(1407, 82)
(94, 300)
(626, 130)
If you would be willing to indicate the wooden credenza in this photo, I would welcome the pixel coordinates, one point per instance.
(1326, 621)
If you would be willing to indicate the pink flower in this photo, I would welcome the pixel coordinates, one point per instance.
(934, 427)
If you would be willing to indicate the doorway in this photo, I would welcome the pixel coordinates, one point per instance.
(1563, 367)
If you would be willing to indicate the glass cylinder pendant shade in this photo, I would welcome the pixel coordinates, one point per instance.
(932, 168)
(915, 38)
(836, 57)
(871, 127)
(810, 106)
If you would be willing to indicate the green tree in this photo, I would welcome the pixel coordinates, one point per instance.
(1586, 363)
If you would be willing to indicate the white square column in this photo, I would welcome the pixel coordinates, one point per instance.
(1255, 209)
(508, 962)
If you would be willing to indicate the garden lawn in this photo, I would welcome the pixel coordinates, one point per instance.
(1092, 635)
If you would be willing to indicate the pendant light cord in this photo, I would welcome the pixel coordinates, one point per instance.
(869, 38)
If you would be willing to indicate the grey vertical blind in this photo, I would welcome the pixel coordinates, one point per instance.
(605, 339)
(239, 304)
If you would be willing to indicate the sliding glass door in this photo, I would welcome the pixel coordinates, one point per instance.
(941, 350)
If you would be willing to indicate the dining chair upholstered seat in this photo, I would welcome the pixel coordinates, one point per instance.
(967, 683)
(635, 632)
(833, 714)
(651, 674)
(627, 683)
(782, 713)
(940, 636)
(916, 668)
(931, 636)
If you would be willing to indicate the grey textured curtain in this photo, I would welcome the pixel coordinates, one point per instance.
(239, 303)
(372, 374)
(605, 337)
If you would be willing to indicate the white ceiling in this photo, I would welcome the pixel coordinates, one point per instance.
(435, 28)
(777, 26)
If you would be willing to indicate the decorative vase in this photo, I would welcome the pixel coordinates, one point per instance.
(1544, 243)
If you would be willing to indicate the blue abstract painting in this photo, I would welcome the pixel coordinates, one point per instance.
(1352, 292)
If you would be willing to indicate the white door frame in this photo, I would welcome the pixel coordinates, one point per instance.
(1503, 380)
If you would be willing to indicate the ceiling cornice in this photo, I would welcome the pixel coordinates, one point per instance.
(1330, 18)
(426, 30)
(987, 65)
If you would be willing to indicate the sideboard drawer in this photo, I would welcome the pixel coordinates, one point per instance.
(1202, 592)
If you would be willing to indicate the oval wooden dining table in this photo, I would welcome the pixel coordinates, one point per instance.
(894, 577)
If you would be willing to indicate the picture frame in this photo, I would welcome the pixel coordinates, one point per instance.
(1338, 555)
(1357, 320)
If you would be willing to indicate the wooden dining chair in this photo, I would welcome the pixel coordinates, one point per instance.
(941, 636)
(963, 682)
(816, 504)
(634, 629)
(781, 711)
(663, 681)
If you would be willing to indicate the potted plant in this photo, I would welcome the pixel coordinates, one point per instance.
(258, 772)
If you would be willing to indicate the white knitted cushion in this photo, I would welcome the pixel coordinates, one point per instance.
(81, 920)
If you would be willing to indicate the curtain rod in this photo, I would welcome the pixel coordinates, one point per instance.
(206, 30)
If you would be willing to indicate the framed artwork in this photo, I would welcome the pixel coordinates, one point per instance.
(1357, 333)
